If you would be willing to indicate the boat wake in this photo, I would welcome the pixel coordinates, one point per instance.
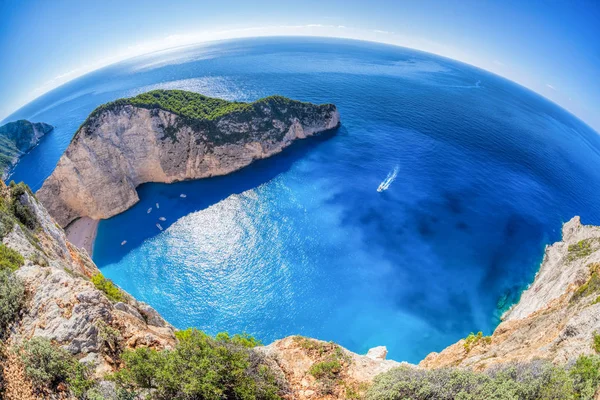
(391, 176)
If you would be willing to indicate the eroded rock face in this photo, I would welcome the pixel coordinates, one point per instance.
(124, 147)
(294, 357)
(64, 306)
(556, 317)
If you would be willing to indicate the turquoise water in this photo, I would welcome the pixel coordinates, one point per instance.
(303, 243)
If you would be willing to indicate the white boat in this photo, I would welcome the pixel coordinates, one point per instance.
(159, 227)
(148, 212)
(162, 219)
(157, 206)
(123, 242)
(182, 195)
(388, 180)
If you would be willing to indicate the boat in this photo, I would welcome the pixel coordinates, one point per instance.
(123, 242)
(162, 219)
(148, 212)
(159, 227)
(388, 180)
(157, 206)
(182, 195)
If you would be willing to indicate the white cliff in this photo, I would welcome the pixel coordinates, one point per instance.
(121, 147)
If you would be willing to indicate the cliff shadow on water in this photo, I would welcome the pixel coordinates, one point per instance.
(139, 223)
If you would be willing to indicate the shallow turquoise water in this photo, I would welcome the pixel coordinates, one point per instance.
(303, 243)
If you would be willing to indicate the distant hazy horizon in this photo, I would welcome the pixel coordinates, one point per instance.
(548, 47)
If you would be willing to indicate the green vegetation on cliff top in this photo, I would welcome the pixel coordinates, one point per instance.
(190, 104)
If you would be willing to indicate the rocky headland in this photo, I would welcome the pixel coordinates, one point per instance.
(168, 136)
(16, 139)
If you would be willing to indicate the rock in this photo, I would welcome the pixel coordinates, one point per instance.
(294, 356)
(377, 353)
(129, 309)
(122, 146)
(150, 315)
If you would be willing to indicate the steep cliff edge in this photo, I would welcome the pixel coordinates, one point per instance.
(16, 139)
(557, 317)
(65, 299)
(168, 136)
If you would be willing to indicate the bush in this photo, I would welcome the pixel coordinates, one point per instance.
(325, 369)
(10, 259)
(22, 211)
(108, 287)
(199, 367)
(596, 344)
(12, 294)
(474, 339)
(47, 366)
(538, 380)
(586, 376)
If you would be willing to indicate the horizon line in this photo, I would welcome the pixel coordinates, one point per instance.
(80, 72)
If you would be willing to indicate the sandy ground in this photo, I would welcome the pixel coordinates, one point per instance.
(82, 233)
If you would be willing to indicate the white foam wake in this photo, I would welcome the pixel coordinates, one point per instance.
(388, 180)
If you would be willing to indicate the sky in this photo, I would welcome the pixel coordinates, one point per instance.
(549, 46)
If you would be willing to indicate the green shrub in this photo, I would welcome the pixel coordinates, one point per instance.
(326, 369)
(108, 287)
(586, 376)
(199, 367)
(537, 380)
(474, 339)
(244, 339)
(596, 343)
(12, 294)
(581, 249)
(591, 286)
(47, 366)
(22, 211)
(10, 259)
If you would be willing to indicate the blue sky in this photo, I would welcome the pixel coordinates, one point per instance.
(551, 46)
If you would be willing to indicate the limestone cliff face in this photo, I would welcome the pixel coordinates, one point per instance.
(62, 304)
(556, 317)
(123, 147)
(293, 357)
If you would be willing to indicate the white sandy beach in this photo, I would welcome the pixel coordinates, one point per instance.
(82, 233)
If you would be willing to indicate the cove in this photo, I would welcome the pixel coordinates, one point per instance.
(303, 243)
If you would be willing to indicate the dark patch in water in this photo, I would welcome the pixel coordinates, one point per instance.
(463, 226)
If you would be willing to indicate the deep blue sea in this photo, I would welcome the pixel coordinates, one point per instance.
(302, 243)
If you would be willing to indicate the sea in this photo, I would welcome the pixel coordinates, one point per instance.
(476, 175)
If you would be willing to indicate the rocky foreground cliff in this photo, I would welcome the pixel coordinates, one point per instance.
(16, 139)
(52, 290)
(168, 136)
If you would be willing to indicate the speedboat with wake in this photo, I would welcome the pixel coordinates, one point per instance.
(383, 186)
